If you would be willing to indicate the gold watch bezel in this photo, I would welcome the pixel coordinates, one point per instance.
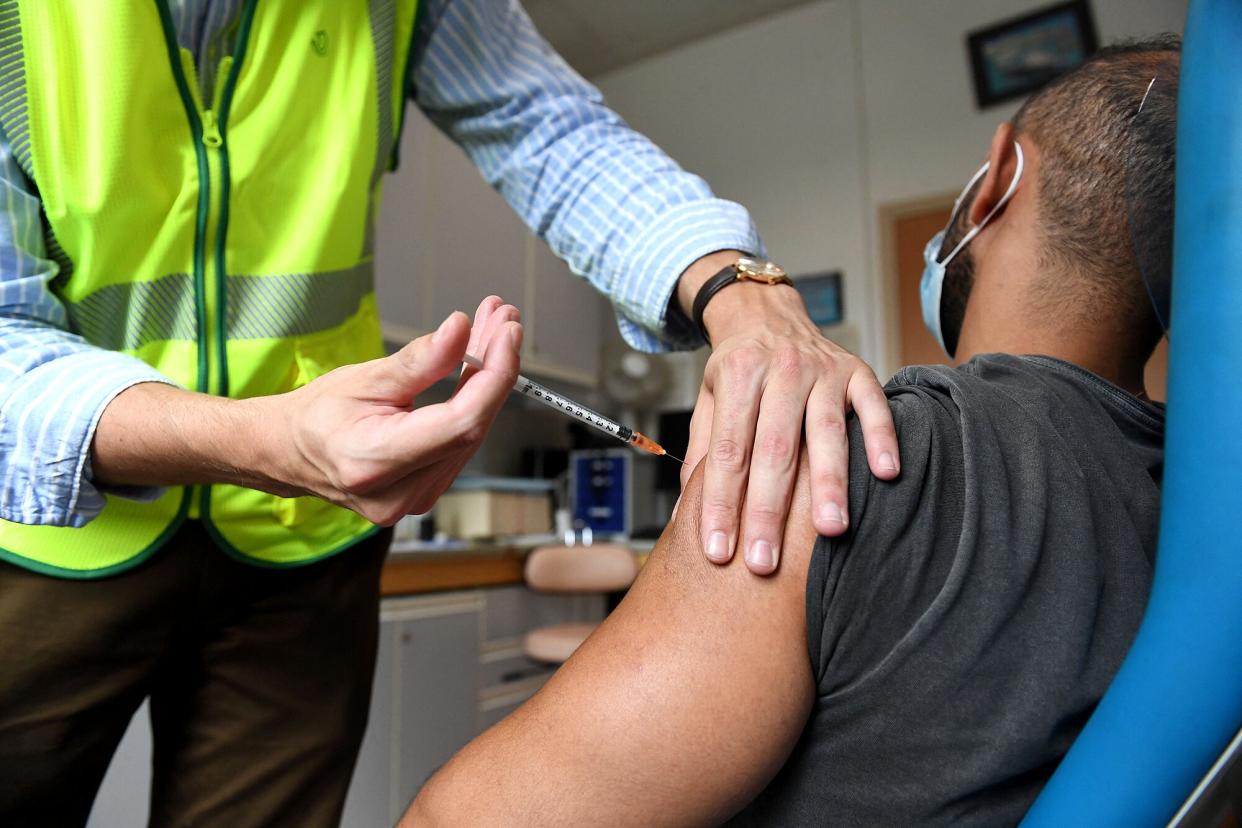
(772, 273)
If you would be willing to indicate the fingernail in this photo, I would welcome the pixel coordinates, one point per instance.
(515, 336)
(887, 463)
(831, 513)
(439, 334)
(760, 555)
(718, 547)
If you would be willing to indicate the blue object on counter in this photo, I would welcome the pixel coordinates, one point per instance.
(1177, 699)
(600, 482)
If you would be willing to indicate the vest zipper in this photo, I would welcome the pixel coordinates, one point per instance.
(208, 127)
(209, 268)
(211, 129)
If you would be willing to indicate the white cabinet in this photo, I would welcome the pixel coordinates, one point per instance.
(564, 331)
(124, 796)
(404, 254)
(450, 665)
(477, 243)
(445, 240)
(423, 703)
(374, 797)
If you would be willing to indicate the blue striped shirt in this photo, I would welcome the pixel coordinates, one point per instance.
(607, 200)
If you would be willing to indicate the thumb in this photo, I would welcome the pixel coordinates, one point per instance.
(402, 376)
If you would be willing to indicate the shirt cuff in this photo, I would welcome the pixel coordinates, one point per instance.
(675, 240)
(47, 424)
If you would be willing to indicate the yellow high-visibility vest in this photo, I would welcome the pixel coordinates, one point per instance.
(228, 243)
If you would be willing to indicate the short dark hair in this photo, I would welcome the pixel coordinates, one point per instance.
(1105, 184)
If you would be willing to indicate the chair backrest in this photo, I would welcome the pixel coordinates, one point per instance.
(1177, 699)
(605, 567)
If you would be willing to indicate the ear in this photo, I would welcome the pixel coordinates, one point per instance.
(1003, 162)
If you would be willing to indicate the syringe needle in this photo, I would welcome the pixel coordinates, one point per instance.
(674, 457)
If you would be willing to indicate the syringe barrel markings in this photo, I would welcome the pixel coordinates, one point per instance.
(550, 398)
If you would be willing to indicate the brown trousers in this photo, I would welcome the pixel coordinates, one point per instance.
(259, 681)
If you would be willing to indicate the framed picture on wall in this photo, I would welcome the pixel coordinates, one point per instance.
(822, 294)
(1015, 57)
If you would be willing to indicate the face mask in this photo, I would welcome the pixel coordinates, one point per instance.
(932, 284)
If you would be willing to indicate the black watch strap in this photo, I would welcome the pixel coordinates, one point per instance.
(710, 288)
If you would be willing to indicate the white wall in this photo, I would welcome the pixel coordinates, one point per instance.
(816, 117)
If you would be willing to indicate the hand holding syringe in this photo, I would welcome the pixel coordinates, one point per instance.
(567, 406)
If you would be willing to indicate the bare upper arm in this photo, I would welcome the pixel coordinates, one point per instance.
(677, 711)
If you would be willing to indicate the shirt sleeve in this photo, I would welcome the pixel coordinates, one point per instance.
(869, 588)
(53, 384)
(621, 212)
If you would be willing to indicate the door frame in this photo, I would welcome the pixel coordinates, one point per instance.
(887, 216)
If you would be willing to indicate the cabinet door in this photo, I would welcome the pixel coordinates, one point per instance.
(437, 663)
(124, 797)
(374, 798)
(404, 248)
(478, 243)
(423, 704)
(446, 239)
(565, 332)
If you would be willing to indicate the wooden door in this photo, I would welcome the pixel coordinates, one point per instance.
(911, 232)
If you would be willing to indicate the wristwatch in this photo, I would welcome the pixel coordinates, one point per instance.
(743, 270)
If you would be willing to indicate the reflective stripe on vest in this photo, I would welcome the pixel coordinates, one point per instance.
(225, 242)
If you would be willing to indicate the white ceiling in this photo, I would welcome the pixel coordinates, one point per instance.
(596, 36)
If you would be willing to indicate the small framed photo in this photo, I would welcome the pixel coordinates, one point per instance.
(822, 294)
(1015, 57)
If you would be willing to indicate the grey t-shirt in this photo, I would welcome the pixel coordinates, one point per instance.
(964, 629)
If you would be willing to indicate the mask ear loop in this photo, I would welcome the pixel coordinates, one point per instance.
(974, 231)
(1140, 258)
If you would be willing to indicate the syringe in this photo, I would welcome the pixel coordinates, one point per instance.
(565, 405)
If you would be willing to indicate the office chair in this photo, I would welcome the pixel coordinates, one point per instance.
(573, 569)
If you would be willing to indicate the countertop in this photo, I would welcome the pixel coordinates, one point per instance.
(415, 567)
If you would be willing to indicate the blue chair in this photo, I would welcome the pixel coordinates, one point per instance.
(1177, 701)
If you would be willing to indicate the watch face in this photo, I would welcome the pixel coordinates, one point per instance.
(760, 268)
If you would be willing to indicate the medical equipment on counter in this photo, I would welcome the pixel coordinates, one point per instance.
(565, 405)
(601, 491)
(479, 507)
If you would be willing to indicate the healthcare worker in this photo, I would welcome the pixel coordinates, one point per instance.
(190, 481)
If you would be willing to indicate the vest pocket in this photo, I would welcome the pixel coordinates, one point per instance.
(291, 512)
(356, 340)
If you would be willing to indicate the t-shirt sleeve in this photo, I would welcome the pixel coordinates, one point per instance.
(893, 557)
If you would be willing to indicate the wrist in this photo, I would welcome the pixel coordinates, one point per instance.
(270, 460)
(730, 291)
(742, 305)
(703, 268)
